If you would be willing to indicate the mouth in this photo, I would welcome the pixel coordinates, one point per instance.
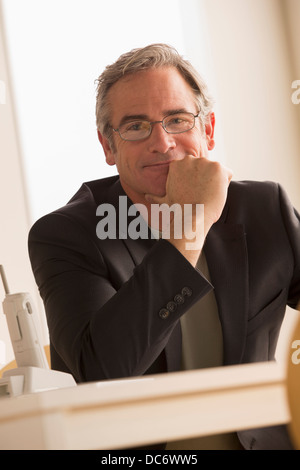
(158, 165)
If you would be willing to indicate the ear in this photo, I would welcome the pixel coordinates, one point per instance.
(209, 130)
(109, 155)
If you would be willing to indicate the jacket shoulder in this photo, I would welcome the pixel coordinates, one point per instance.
(247, 187)
(247, 200)
(253, 199)
(77, 220)
(251, 193)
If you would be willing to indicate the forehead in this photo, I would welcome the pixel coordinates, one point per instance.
(151, 93)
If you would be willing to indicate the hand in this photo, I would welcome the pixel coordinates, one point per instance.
(196, 181)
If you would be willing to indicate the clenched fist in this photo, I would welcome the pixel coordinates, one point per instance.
(201, 184)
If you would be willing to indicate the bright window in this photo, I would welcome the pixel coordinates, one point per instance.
(57, 48)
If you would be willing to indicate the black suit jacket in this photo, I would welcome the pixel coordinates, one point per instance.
(104, 298)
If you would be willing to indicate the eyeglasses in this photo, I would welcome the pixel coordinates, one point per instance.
(172, 124)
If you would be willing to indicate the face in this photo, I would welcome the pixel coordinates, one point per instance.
(143, 165)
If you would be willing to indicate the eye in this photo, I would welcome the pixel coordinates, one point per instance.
(178, 123)
(135, 126)
(175, 120)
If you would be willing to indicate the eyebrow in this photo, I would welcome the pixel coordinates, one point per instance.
(145, 117)
(133, 117)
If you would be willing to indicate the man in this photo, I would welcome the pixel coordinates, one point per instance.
(120, 305)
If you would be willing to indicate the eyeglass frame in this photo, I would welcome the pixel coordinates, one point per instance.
(158, 122)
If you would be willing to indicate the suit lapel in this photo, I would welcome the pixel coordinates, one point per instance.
(138, 249)
(226, 254)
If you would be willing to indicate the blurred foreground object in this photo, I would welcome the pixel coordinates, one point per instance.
(293, 385)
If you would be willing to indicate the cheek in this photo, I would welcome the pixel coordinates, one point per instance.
(200, 142)
(126, 158)
(194, 144)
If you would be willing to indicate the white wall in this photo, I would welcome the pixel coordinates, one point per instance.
(254, 74)
(14, 214)
(57, 49)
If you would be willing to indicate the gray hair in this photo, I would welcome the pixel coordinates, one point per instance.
(152, 56)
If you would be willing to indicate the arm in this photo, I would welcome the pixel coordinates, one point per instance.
(101, 327)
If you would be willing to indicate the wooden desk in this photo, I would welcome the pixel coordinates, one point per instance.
(128, 413)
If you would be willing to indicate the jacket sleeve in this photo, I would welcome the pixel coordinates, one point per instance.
(99, 330)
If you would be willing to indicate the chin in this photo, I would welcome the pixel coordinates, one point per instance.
(158, 188)
(159, 192)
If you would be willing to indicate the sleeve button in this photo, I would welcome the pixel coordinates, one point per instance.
(164, 313)
(187, 291)
(179, 299)
(171, 306)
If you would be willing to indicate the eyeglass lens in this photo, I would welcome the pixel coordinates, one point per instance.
(173, 124)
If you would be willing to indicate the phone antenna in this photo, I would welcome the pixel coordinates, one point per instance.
(4, 281)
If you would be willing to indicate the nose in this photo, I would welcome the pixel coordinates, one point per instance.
(159, 140)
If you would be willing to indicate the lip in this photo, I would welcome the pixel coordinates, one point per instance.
(158, 164)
